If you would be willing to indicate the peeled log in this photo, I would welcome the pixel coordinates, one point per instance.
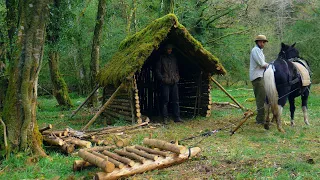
(78, 165)
(119, 158)
(45, 128)
(165, 145)
(130, 155)
(98, 161)
(52, 140)
(143, 154)
(115, 162)
(122, 142)
(152, 151)
(67, 148)
(80, 143)
(100, 148)
(147, 166)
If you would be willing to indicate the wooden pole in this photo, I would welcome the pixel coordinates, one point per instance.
(164, 145)
(152, 151)
(115, 162)
(84, 102)
(143, 154)
(100, 148)
(96, 160)
(131, 155)
(232, 98)
(119, 158)
(102, 108)
(247, 116)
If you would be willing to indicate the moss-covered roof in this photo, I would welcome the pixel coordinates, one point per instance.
(135, 50)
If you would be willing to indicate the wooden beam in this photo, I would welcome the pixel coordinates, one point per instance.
(84, 102)
(229, 95)
(102, 108)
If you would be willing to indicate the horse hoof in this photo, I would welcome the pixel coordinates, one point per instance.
(292, 124)
(266, 126)
(307, 123)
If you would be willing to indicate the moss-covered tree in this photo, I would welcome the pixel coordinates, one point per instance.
(60, 89)
(95, 53)
(19, 111)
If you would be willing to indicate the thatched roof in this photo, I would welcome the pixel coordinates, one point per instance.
(135, 50)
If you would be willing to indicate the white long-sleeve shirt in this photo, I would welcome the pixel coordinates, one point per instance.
(257, 61)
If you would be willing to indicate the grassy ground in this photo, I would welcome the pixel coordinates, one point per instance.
(252, 153)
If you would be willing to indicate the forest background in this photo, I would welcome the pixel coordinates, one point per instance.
(225, 27)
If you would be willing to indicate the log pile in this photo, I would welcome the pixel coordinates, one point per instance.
(69, 140)
(155, 154)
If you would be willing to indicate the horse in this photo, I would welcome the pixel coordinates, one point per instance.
(283, 81)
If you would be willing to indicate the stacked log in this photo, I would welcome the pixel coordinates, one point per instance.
(135, 159)
(68, 140)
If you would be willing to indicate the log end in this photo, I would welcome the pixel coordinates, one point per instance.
(109, 167)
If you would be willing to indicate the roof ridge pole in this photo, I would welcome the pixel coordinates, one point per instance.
(229, 95)
(102, 108)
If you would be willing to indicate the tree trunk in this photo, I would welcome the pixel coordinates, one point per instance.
(60, 89)
(19, 111)
(95, 53)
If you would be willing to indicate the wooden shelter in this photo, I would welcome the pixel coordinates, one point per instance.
(133, 66)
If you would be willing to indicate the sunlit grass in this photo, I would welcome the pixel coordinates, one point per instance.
(251, 153)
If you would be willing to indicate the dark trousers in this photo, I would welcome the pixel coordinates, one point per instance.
(172, 91)
(260, 94)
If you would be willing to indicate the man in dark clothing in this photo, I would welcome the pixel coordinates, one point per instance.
(168, 74)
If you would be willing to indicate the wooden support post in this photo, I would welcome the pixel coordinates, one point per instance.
(152, 151)
(143, 154)
(232, 98)
(164, 145)
(98, 161)
(247, 116)
(130, 155)
(84, 102)
(102, 109)
(119, 158)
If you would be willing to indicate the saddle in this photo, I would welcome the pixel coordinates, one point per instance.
(303, 71)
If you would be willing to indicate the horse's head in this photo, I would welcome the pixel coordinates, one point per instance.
(288, 52)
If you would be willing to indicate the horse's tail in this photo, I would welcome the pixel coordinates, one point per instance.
(271, 89)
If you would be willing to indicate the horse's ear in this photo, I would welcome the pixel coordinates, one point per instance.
(293, 44)
(283, 45)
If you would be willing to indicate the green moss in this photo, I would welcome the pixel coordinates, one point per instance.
(135, 49)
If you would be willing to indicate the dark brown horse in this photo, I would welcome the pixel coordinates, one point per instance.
(282, 82)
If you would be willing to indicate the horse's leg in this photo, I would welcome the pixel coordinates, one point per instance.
(304, 99)
(267, 115)
(278, 117)
(292, 109)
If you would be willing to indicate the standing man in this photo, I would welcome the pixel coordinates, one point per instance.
(168, 74)
(257, 67)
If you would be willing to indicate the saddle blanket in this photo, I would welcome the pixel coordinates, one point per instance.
(305, 76)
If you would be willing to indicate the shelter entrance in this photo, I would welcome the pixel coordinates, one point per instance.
(193, 86)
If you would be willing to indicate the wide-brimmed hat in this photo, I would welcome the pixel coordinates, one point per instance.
(261, 38)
